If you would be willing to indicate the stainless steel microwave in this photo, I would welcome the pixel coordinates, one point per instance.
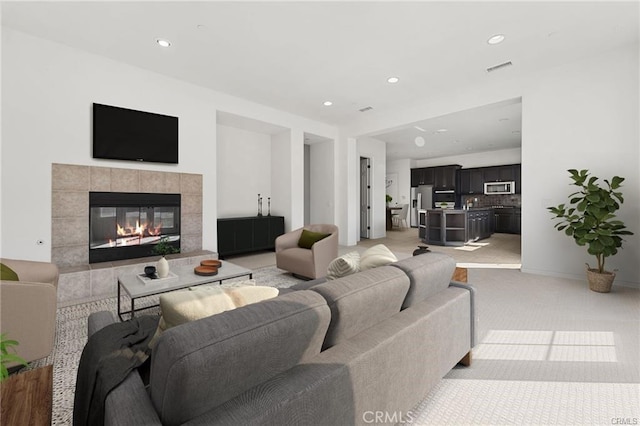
(492, 188)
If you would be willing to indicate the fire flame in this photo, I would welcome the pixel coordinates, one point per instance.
(138, 230)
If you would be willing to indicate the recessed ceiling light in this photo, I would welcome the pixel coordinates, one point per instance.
(419, 128)
(442, 130)
(393, 80)
(163, 43)
(327, 103)
(496, 39)
(419, 141)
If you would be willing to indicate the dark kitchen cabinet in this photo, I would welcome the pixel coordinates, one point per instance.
(422, 176)
(499, 174)
(471, 181)
(479, 224)
(517, 221)
(504, 220)
(517, 172)
(247, 234)
(445, 177)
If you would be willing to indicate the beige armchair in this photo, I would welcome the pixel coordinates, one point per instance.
(309, 263)
(28, 307)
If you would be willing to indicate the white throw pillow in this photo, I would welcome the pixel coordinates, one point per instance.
(344, 265)
(378, 255)
(179, 307)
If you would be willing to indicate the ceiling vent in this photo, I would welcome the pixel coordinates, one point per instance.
(499, 66)
(365, 109)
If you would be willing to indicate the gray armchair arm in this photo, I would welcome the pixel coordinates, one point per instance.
(324, 251)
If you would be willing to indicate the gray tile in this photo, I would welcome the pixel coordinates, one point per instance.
(68, 177)
(70, 204)
(70, 231)
(159, 182)
(125, 180)
(70, 256)
(191, 243)
(191, 204)
(74, 286)
(191, 224)
(191, 183)
(100, 179)
(103, 282)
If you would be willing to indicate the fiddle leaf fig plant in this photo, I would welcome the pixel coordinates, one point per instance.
(590, 216)
(7, 355)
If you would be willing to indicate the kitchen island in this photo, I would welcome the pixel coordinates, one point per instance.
(455, 227)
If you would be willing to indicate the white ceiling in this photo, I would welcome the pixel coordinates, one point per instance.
(295, 55)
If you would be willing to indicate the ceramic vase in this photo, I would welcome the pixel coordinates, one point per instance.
(163, 267)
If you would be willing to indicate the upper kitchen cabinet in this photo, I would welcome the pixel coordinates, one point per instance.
(445, 177)
(422, 176)
(518, 178)
(471, 181)
(499, 174)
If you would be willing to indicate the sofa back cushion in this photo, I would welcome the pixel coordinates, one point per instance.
(428, 273)
(362, 300)
(201, 364)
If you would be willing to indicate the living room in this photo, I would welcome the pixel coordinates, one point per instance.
(579, 108)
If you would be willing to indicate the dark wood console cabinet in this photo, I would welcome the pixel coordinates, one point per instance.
(238, 235)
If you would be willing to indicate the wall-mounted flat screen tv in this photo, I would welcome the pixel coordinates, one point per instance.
(126, 134)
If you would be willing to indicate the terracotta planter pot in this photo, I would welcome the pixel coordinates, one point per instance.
(600, 282)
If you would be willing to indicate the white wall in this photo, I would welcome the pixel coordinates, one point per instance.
(47, 93)
(321, 184)
(584, 114)
(478, 159)
(242, 156)
(403, 169)
(376, 151)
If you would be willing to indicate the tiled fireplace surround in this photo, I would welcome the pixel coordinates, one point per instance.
(80, 281)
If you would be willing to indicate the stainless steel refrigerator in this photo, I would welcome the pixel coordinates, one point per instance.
(421, 199)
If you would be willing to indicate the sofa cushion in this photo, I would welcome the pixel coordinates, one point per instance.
(7, 274)
(362, 300)
(233, 352)
(378, 255)
(179, 307)
(344, 265)
(429, 273)
(309, 238)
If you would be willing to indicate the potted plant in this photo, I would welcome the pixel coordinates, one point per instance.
(388, 199)
(7, 356)
(163, 248)
(590, 220)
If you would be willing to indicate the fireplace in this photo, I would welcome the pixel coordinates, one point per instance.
(125, 225)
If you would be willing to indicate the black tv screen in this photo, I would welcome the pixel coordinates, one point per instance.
(126, 134)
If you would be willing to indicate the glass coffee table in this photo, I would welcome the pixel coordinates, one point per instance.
(180, 277)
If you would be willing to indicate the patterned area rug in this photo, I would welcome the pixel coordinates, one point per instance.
(71, 336)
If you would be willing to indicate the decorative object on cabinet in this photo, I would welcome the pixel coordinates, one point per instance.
(590, 220)
(259, 205)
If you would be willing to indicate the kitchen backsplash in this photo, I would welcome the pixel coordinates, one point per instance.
(493, 200)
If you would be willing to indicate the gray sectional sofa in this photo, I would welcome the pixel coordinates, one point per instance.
(349, 351)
